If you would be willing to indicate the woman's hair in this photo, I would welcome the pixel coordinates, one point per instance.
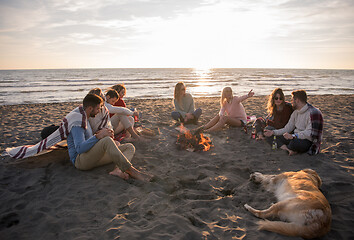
(119, 87)
(223, 95)
(98, 92)
(112, 93)
(178, 91)
(271, 103)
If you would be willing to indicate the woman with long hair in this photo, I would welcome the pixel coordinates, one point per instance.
(185, 111)
(121, 90)
(232, 112)
(123, 123)
(279, 112)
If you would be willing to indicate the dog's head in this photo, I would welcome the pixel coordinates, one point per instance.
(313, 174)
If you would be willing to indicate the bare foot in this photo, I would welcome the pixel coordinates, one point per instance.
(260, 137)
(284, 147)
(117, 172)
(135, 173)
(291, 153)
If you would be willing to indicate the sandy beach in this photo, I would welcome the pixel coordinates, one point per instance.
(193, 195)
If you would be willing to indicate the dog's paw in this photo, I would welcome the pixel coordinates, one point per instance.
(256, 177)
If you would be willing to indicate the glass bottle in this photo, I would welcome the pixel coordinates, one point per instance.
(253, 134)
(274, 144)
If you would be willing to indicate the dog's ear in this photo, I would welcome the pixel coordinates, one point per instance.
(314, 176)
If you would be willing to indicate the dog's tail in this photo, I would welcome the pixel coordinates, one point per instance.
(290, 229)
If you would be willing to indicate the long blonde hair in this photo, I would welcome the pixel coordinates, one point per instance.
(178, 92)
(223, 95)
(271, 104)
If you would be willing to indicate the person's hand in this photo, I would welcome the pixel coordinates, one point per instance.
(268, 133)
(188, 116)
(250, 94)
(104, 132)
(288, 136)
(135, 113)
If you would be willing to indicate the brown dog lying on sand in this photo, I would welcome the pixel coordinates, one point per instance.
(301, 207)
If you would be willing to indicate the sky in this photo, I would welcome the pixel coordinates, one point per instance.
(50, 34)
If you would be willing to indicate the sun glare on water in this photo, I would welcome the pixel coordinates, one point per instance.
(203, 87)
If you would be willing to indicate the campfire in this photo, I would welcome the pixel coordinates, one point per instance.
(193, 142)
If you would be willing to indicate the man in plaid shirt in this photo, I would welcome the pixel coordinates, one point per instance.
(303, 132)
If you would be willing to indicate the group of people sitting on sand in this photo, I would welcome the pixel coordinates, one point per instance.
(91, 129)
(297, 125)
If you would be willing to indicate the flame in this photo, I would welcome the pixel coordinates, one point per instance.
(205, 141)
(193, 142)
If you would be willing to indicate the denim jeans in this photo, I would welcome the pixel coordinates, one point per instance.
(178, 117)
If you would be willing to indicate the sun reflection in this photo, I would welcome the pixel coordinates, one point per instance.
(202, 86)
(203, 72)
(202, 89)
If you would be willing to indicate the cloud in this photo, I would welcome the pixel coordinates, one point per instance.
(208, 27)
(20, 19)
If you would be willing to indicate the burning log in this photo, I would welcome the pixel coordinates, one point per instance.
(193, 142)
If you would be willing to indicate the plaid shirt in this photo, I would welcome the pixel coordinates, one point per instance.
(317, 128)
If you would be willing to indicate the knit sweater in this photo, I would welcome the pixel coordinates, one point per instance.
(281, 118)
(186, 106)
(235, 108)
(300, 123)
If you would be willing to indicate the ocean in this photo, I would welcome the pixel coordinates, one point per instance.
(68, 85)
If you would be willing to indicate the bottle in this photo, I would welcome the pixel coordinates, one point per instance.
(274, 144)
(136, 119)
(253, 134)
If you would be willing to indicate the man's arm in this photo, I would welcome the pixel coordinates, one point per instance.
(81, 144)
(289, 127)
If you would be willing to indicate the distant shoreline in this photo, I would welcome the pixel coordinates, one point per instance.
(30, 69)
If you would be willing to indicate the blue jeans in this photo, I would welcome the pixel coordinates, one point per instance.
(178, 117)
(296, 145)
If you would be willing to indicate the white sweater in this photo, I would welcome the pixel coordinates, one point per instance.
(118, 110)
(299, 122)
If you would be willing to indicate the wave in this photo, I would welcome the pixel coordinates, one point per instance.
(71, 84)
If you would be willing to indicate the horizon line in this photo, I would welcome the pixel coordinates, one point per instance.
(284, 68)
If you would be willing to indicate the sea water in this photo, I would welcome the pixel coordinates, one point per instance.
(66, 85)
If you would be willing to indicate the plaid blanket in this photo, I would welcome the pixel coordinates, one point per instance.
(317, 128)
(77, 117)
(101, 120)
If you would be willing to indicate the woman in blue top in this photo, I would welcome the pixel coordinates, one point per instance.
(184, 105)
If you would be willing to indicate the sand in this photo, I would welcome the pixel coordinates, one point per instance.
(194, 195)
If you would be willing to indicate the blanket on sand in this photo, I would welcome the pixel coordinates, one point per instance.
(77, 117)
